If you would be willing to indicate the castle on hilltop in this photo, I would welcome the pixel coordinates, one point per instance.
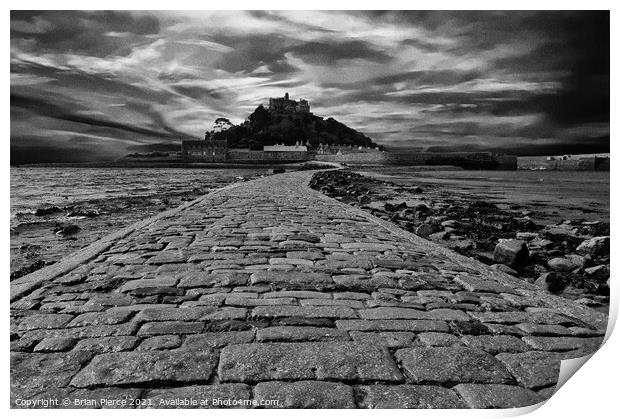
(286, 105)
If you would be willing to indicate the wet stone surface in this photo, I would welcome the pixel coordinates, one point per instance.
(270, 290)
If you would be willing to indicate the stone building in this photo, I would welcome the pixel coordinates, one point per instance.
(208, 150)
(286, 105)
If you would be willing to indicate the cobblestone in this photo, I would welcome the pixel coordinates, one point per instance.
(306, 361)
(492, 396)
(268, 289)
(306, 394)
(409, 397)
(146, 367)
(454, 364)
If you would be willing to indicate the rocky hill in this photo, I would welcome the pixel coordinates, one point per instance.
(264, 127)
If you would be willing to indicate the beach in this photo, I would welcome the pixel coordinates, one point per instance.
(56, 211)
(47, 201)
(546, 215)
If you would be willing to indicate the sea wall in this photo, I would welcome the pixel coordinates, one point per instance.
(367, 158)
(245, 155)
(486, 161)
(591, 163)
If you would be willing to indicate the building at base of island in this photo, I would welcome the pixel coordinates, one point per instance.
(215, 148)
(217, 151)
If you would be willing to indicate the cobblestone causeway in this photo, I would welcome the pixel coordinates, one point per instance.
(270, 290)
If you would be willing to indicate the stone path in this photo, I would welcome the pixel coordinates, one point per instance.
(269, 290)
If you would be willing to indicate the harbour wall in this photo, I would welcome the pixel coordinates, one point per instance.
(487, 161)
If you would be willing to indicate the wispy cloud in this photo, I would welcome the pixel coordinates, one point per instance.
(102, 82)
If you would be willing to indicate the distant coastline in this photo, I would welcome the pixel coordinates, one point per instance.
(172, 164)
(581, 162)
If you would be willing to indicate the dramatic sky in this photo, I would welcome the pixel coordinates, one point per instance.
(97, 85)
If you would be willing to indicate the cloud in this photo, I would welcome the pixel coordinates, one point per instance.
(420, 79)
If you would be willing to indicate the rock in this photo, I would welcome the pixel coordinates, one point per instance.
(442, 235)
(482, 206)
(83, 212)
(561, 230)
(527, 236)
(278, 170)
(595, 246)
(424, 230)
(423, 208)
(511, 252)
(449, 223)
(561, 265)
(363, 199)
(52, 209)
(541, 243)
(504, 268)
(597, 270)
(392, 207)
(68, 230)
(462, 245)
(552, 282)
(525, 223)
(578, 260)
(436, 219)
(555, 253)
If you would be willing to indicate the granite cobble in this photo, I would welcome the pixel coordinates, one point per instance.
(269, 290)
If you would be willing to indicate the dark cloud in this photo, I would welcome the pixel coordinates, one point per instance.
(82, 32)
(52, 110)
(96, 83)
(330, 52)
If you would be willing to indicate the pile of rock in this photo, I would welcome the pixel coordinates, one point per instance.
(570, 257)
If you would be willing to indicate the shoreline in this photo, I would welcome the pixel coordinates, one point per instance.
(473, 227)
(167, 165)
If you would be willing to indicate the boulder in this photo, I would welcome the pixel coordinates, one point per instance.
(552, 281)
(541, 243)
(83, 212)
(363, 199)
(599, 270)
(561, 230)
(449, 223)
(424, 230)
(578, 260)
(376, 205)
(68, 230)
(561, 265)
(461, 245)
(442, 235)
(525, 223)
(390, 206)
(511, 252)
(527, 235)
(47, 210)
(596, 246)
